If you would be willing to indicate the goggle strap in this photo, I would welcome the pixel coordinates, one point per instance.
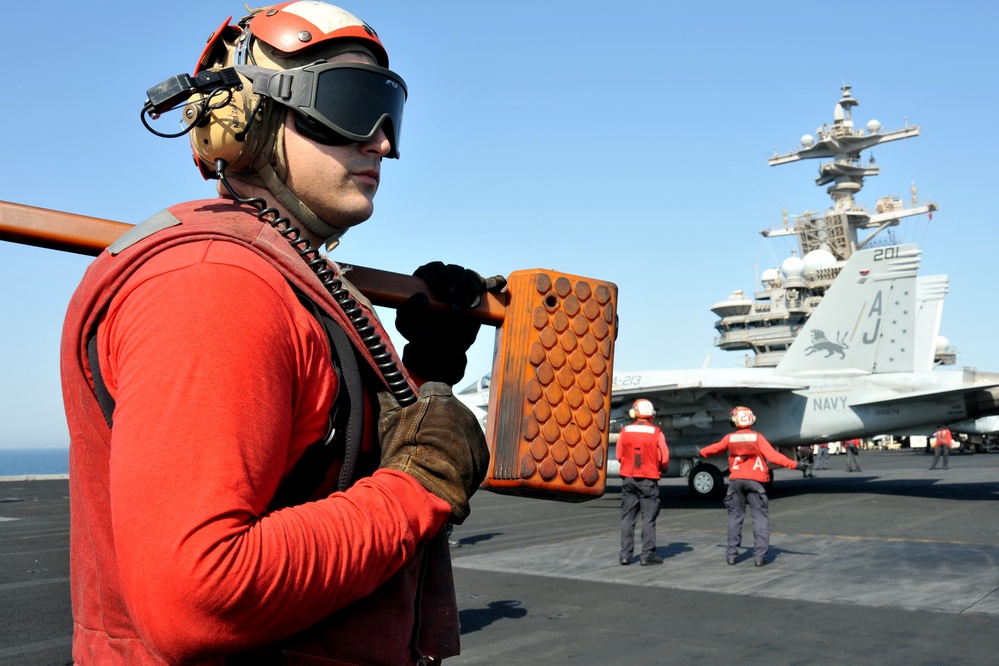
(276, 84)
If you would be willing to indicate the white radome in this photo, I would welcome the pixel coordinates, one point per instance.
(793, 267)
(942, 344)
(770, 276)
(819, 259)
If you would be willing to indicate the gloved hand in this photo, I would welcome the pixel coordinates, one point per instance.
(439, 339)
(436, 440)
(461, 288)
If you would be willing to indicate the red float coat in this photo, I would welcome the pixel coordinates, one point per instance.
(642, 451)
(748, 453)
(944, 437)
(221, 380)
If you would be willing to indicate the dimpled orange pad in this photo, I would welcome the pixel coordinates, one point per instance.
(549, 395)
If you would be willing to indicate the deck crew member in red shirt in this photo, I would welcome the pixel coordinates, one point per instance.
(256, 477)
(941, 449)
(748, 455)
(644, 456)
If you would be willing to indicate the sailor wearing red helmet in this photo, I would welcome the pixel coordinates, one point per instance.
(643, 454)
(257, 477)
(748, 455)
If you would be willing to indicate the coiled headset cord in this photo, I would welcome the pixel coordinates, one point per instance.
(395, 380)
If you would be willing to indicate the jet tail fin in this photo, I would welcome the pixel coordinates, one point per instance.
(930, 293)
(865, 322)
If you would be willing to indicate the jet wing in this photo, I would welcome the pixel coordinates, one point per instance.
(691, 385)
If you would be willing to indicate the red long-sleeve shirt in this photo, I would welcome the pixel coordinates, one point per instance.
(748, 453)
(221, 379)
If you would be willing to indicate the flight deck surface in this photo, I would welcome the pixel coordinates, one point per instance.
(892, 565)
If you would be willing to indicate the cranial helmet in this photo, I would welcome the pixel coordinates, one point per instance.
(742, 417)
(642, 409)
(279, 53)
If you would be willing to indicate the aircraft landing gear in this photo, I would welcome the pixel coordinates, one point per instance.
(705, 481)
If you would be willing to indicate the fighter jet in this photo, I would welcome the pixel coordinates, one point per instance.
(861, 366)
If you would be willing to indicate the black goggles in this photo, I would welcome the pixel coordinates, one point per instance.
(337, 103)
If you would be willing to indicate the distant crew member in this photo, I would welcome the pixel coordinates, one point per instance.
(823, 456)
(942, 447)
(748, 453)
(643, 454)
(806, 457)
(852, 455)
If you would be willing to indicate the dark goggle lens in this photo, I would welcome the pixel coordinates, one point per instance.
(354, 100)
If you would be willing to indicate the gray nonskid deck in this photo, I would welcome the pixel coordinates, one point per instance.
(909, 575)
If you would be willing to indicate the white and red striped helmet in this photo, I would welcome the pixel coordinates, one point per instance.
(642, 409)
(742, 417)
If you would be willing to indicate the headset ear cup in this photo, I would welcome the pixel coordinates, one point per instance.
(632, 414)
(218, 136)
(223, 134)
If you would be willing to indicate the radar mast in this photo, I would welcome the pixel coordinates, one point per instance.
(837, 229)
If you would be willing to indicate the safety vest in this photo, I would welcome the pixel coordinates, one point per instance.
(368, 631)
(641, 448)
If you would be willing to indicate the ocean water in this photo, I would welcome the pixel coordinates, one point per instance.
(15, 462)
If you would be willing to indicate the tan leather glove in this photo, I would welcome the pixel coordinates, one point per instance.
(438, 441)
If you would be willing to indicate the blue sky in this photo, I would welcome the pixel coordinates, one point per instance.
(625, 141)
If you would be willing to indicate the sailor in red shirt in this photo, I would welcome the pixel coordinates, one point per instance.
(748, 454)
(255, 474)
(944, 439)
(641, 449)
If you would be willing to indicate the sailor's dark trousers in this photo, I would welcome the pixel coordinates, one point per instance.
(853, 459)
(740, 493)
(943, 450)
(639, 494)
